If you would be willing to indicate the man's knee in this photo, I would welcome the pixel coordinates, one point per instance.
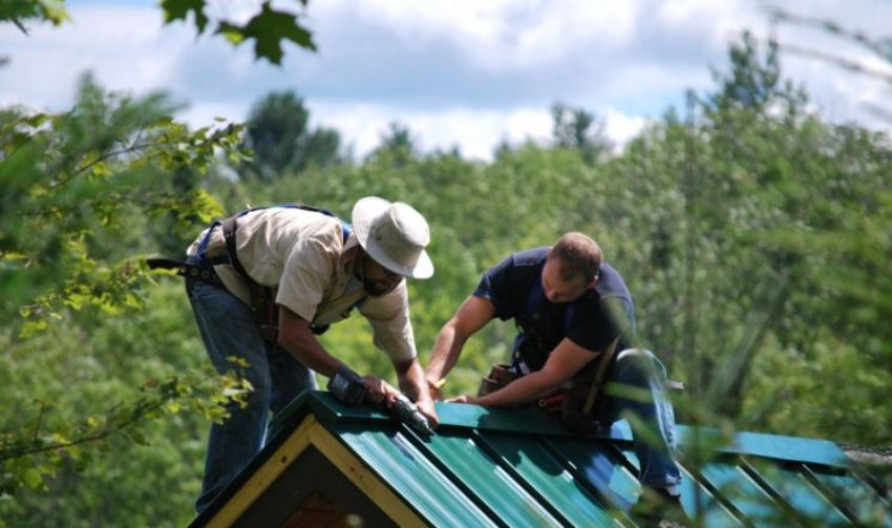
(639, 362)
(636, 356)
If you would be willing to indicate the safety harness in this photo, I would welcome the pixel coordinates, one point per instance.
(575, 402)
(263, 298)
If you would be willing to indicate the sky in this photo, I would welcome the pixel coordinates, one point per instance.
(465, 73)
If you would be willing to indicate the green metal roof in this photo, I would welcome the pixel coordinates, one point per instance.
(487, 467)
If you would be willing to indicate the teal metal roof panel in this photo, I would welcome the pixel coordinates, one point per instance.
(535, 463)
(400, 464)
(490, 483)
(522, 468)
(738, 490)
(697, 499)
(794, 488)
(602, 468)
(775, 447)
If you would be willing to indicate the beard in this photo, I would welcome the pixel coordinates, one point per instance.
(373, 290)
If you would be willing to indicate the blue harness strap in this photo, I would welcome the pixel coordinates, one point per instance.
(346, 227)
(527, 347)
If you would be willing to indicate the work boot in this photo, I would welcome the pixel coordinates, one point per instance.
(659, 507)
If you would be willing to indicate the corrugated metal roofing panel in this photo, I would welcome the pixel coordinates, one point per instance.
(792, 486)
(697, 499)
(737, 489)
(411, 474)
(533, 461)
(470, 463)
(602, 468)
(522, 468)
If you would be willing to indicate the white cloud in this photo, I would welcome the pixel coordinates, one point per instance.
(622, 128)
(123, 46)
(476, 133)
(455, 72)
(496, 35)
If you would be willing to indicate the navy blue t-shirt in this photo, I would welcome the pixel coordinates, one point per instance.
(514, 286)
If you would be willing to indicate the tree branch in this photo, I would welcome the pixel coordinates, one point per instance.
(139, 412)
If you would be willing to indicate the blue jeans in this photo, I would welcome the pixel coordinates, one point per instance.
(228, 329)
(637, 388)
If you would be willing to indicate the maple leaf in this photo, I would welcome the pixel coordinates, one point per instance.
(268, 29)
(179, 10)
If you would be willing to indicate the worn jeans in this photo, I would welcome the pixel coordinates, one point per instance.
(637, 388)
(228, 329)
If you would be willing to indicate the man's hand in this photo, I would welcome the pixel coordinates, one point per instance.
(426, 407)
(471, 316)
(379, 391)
(436, 389)
(464, 398)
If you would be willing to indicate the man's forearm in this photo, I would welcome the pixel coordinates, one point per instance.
(304, 346)
(412, 381)
(445, 353)
(520, 391)
(297, 338)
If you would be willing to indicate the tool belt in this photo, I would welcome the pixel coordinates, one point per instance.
(263, 298)
(575, 402)
(500, 375)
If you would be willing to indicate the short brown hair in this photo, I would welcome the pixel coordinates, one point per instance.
(578, 255)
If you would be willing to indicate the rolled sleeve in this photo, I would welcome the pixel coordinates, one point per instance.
(389, 318)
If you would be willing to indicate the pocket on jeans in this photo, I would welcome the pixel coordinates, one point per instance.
(215, 302)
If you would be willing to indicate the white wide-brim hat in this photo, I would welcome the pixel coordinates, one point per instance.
(395, 235)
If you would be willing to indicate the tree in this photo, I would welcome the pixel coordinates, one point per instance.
(76, 187)
(278, 133)
(41, 10)
(398, 146)
(579, 129)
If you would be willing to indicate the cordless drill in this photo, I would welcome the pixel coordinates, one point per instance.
(347, 386)
(406, 411)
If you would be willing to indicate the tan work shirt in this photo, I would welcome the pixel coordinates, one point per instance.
(301, 253)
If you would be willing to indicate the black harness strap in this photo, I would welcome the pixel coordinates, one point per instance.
(263, 302)
(230, 226)
(263, 298)
(184, 269)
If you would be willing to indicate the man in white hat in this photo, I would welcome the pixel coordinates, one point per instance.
(313, 272)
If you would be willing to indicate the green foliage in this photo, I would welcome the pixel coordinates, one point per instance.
(111, 412)
(72, 182)
(573, 128)
(18, 12)
(398, 146)
(268, 28)
(754, 237)
(79, 190)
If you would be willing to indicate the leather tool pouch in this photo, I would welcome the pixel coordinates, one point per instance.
(266, 311)
(499, 376)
